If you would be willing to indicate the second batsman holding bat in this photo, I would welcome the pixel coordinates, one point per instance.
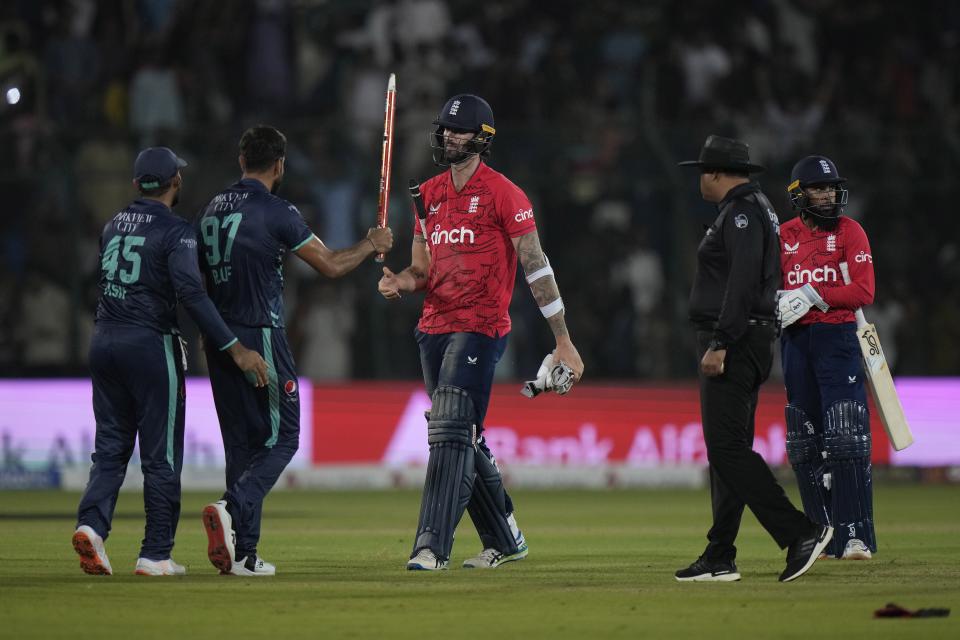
(478, 225)
(828, 427)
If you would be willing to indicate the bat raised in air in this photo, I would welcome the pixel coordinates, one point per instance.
(386, 159)
(881, 382)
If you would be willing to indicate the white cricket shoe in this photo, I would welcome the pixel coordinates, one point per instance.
(490, 558)
(221, 539)
(93, 557)
(425, 560)
(147, 567)
(253, 566)
(856, 550)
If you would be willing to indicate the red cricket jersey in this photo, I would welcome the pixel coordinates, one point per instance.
(473, 264)
(814, 257)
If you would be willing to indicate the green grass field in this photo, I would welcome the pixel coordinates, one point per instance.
(601, 566)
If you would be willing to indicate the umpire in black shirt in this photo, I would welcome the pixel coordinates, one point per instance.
(732, 306)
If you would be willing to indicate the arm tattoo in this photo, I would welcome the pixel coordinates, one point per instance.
(544, 290)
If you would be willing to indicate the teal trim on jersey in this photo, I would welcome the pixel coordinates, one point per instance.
(228, 345)
(171, 395)
(273, 387)
(312, 236)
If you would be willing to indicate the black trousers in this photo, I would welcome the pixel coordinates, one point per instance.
(738, 475)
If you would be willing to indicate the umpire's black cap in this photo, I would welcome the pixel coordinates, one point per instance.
(156, 166)
(719, 153)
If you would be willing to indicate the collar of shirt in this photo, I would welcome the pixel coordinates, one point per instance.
(253, 184)
(738, 191)
(481, 168)
(150, 203)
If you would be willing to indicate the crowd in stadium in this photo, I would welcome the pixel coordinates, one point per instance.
(594, 102)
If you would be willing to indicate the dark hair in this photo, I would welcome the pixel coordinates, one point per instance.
(261, 146)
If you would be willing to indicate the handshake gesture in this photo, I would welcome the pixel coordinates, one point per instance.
(793, 304)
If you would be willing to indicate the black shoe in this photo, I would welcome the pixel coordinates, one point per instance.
(804, 552)
(704, 570)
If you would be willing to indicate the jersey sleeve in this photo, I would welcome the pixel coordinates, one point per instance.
(182, 263)
(860, 291)
(515, 211)
(288, 226)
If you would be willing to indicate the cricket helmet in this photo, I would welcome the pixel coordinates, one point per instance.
(816, 171)
(463, 113)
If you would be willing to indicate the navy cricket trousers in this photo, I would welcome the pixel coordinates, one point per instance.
(138, 390)
(260, 427)
(821, 365)
(467, 361)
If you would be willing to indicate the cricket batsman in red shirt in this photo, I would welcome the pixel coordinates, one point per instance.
(464, 257)
(828, 428)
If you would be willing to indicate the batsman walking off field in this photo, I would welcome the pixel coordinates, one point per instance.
(477, 224)
(828, 427)
(246, 231)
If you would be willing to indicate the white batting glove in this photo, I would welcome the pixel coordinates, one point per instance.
(793, 304)
(551, 376)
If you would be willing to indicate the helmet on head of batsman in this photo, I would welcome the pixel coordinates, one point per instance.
(818, 171)
(463, 113)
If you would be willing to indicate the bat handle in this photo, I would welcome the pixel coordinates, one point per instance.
(845, 270)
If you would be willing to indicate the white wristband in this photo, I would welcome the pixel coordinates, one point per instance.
(542, 272)
(552, 309)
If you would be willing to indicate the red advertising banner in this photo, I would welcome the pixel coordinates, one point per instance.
(641, 425)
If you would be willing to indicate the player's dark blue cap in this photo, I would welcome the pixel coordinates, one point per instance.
(155, 167)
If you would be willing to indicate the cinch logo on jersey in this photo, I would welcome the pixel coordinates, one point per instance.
(523, 214)
(863, 256)
(454, 236)
(803, 276)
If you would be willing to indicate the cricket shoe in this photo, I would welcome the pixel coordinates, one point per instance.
(490, 558)
(252, 566)
(804, 552)
(93, 557)
(425, 560)
(147, 567)
(703, 570)
(856, 550)
(221, 539)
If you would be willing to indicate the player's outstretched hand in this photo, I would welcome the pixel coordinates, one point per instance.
(250, 362)
(568, 354)
(382, 239)
(389, 285)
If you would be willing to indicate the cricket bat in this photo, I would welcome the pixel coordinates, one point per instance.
(386, 159)
(881, 382)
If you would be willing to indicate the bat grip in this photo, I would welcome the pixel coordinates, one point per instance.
(845, 270)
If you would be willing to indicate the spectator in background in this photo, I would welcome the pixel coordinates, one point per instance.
(156, 102)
